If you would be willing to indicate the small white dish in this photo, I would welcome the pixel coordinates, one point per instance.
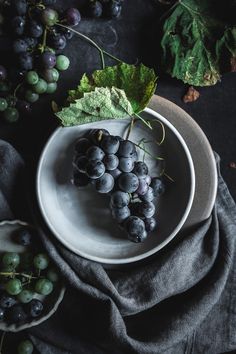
(80, 218)
(51, 302)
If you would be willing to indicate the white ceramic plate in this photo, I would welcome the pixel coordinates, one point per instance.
(80, 218)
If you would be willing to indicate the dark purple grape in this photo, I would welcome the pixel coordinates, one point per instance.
(147, 209)
(111, 162)
(105, 183)
(119, 199)
(67, 33)
(7, 301)
(57, 41)
(95, 9)
(35, 29)
(16, 74)
(25, 61)
(140, 169)
(143, 187)
(115, 173)
(96, 135)
(72, 17)
(158, 186)
(19, 7)
(110, 144)
(23, 107)
(95, 153)
(126, 149)
(113, 9)
(126, 164)
(48, 60)
(150, 224)
(80, 179)
(30, 41)
(95, 169)
(82, 145)
(120, 214)
(148, 196)
(3, 73)
(34, 308)
(20, 46)
(23, 237)
(128, 182)
(18, 25)
(135, 228)
(16, 314)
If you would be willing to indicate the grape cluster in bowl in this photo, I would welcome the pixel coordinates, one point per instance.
(111, 165)
(26, 280)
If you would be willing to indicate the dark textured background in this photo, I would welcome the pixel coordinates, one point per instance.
(134, 37)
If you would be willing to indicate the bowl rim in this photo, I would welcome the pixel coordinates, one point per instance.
(37, 321)
(146, 254)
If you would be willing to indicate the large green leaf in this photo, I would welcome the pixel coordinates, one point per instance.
(102, 103)
(138, 82)
(188, 45)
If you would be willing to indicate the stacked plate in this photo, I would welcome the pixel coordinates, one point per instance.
(80, 219)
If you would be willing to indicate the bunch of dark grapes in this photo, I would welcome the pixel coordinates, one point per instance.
(36, 46)
(25, 280)
(111, 165)
(105, 8)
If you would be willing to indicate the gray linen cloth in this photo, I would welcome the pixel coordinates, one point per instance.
(181, 301)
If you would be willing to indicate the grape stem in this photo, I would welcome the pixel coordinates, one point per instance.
(1, 342)
(94, 44)
(7, 274)
(16, 89)
(148, 153)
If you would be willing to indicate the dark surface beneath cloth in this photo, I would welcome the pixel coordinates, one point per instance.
(134, 37)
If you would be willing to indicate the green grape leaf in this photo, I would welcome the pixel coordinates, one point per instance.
(138, 83)
(196, 42)
(102, 103)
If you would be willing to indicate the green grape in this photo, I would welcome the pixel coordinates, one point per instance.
(52, 87)
(62, 63)
(3, 104)
(32, 77)
(44, 286)
(11, 115)
(41, 261)
(40, 87)
(11, 259)
(51, 75)
(13, 286)
(52, 275)
(49, 17)
(25, 347)
(25, 296)
(31, 96)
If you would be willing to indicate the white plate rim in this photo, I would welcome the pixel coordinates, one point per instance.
(145, 254)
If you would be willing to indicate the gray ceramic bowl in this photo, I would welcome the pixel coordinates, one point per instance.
(80, 218)
(51, 302)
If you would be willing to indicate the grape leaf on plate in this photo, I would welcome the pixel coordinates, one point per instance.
(102, 103)
(138, 83)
